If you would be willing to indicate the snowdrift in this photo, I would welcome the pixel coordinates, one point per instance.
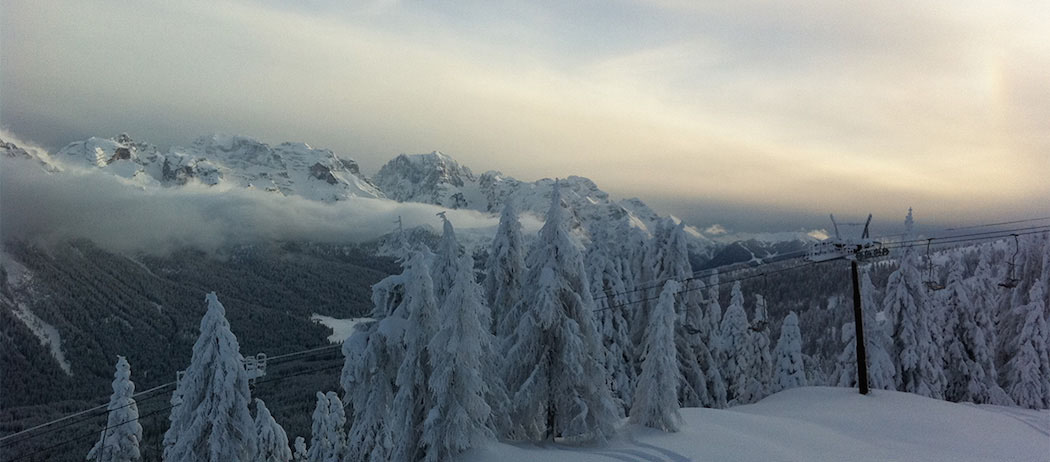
(818, 424)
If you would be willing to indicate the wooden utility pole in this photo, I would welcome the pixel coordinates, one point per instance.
(858, 322)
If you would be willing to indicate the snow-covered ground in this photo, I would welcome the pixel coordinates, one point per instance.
(341, 328)
(818, 424)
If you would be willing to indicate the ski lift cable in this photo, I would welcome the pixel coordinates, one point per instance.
(972, 238)
(956, 239)
(1027, 220)
(704, 286)
(80, 413)
(657, 283)
(90, 434)
(102, 408)
(167, 408)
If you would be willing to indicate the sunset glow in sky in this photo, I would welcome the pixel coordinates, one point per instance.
(752, 114)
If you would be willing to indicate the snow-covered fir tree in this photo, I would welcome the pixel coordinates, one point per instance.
(273, 441)
(212, 422)
(714, 394)
(736, 340)
(555, 377)
(328, 437)
(443, 267)
(301, 452)
(123, 433)
(788, 370)
(505, 270)
(881, 370)
(611, 301)
(971, 374)
(1025, 374)
(413, 399)
(460, 379)
(668, 259)
(368, 380)
(916, 349)
(656, 402)
(763, 365)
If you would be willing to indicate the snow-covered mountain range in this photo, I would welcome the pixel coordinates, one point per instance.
(296, 169)
(288, 168)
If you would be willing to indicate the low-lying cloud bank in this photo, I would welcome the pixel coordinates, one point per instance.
(124, 217)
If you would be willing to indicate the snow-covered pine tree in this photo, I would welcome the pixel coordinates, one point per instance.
(328, 438)
(788, 371)
(881, 370)
(460, 418)
(668, 259)
(915, 348)
(656, 403)
(367, 379)
(554, 366)
(273, 441)
(1025, 374)
(713, 323)
(611, 301)
(373, 354)
(970, 372)
(413, 399)
(443, 267)
(715, 392)
(300, 453)
(505, 270)
(123, 433)
(762, 368)
(213, 422)
(735, 333)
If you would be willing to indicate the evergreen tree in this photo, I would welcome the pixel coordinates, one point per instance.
(413, 400)
(300, 453)
(212, 422)
(328, 439)
(789, 370)
(656, 403)
(762, 368)
(505, 270)
(368, 375)
(915, 347)
(971, 374)
(443, 268)
(1025, 374)
(461, 418)
(273, 441)
(554, 362)
(881, 370)
(738, 349)
(611, 302)
(123, 433)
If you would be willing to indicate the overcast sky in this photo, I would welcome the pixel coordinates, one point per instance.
(756, 115)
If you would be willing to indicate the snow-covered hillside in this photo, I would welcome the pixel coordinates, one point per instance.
(818, 424)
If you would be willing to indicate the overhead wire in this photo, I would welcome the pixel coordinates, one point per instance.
(92, 433)
(91, 413)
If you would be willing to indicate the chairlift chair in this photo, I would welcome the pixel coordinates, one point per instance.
(930, 282)
(1011, 282)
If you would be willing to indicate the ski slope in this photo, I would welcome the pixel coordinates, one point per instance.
(817, 424)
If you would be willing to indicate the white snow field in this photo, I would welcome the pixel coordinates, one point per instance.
(341, 328)
(817, 424)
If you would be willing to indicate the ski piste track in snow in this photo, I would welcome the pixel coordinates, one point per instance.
(318, 353)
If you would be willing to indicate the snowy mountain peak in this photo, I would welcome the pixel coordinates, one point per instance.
(287, 168)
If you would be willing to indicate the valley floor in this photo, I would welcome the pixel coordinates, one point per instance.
(818, 424)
